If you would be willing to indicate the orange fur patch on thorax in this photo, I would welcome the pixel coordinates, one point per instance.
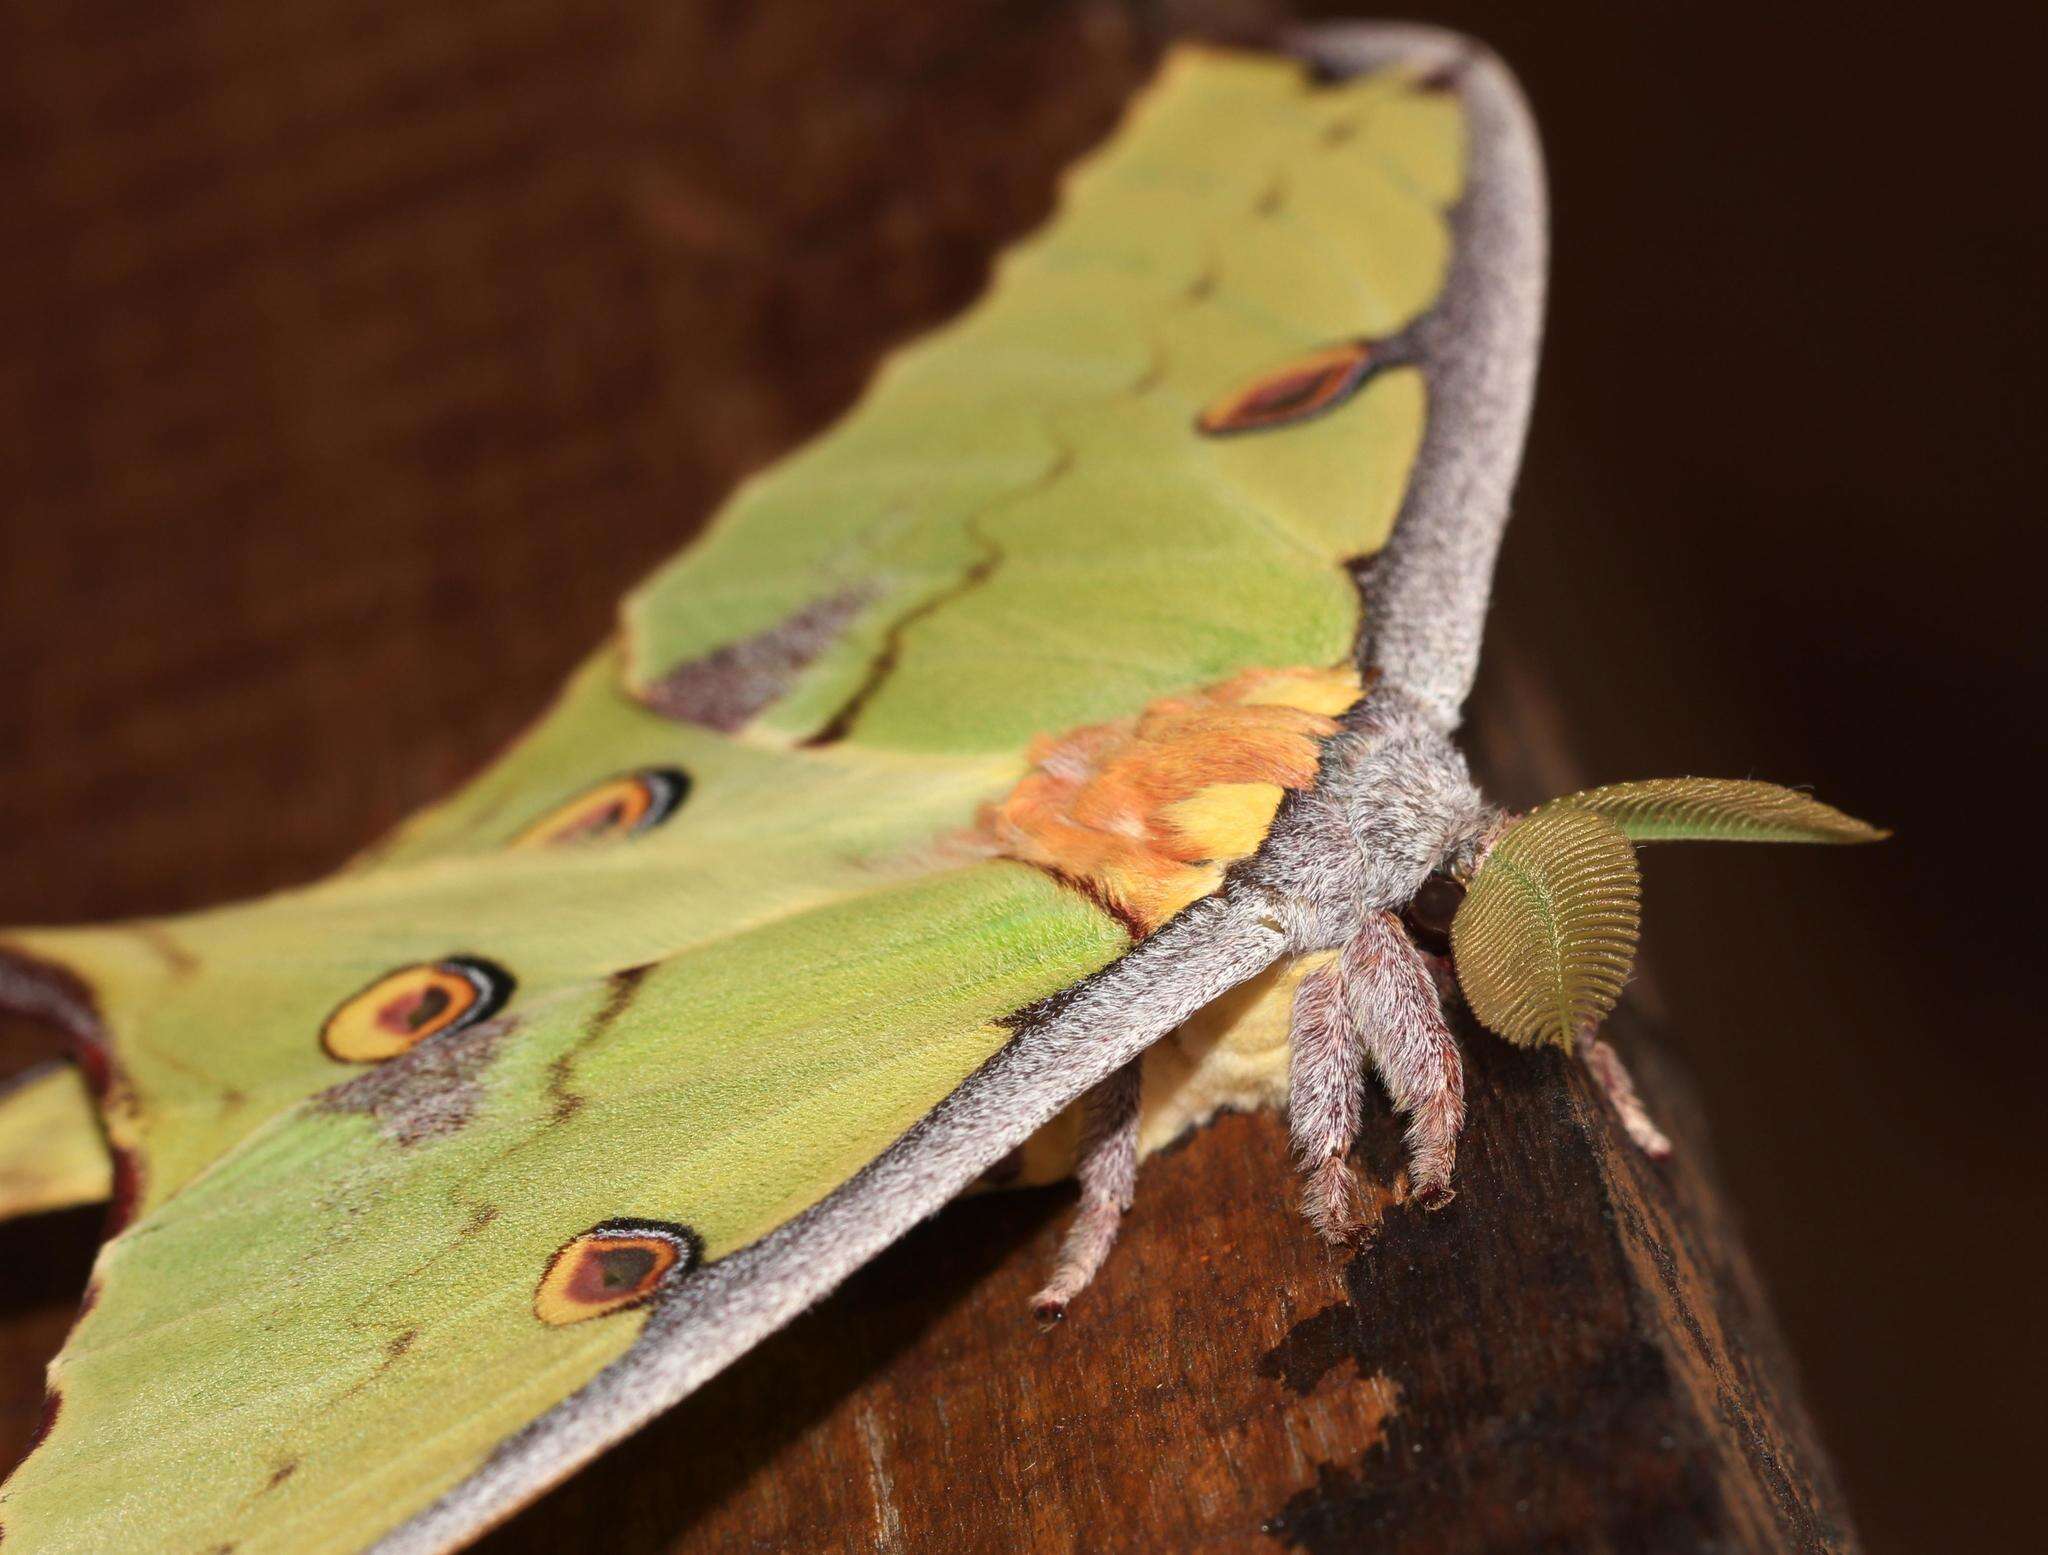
(1146, 813)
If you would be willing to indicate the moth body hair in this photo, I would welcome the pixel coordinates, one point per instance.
(1393, 802)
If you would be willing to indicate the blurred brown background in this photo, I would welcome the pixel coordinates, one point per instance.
(354, 356)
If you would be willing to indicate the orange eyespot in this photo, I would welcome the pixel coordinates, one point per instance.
(1305, 387)
(623, 806)
(403, 1008)
(612, 1266)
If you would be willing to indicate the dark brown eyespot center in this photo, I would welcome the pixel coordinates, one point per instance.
(1294, 391)
(1284, 395)
(623, 1268)
(412, 1011)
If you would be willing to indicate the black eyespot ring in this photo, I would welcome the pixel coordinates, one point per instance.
(622, 806)
(404, 1007)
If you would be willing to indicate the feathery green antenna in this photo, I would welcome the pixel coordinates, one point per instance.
(1547, 934)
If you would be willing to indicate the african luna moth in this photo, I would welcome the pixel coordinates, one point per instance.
(1101, 663)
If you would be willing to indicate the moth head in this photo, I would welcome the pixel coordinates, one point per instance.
(1433, 909)
(1419, 822)
(1543, 934)
(1430, 913)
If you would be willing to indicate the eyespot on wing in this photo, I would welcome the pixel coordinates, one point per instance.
(1296, 391)
(614, 1265)
(627, 805)
(403, 1008)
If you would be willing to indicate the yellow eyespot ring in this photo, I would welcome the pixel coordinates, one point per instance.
(402, 1009)
(612, 1266)
(622, 806)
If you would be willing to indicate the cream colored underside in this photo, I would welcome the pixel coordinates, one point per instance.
(1231, 1057)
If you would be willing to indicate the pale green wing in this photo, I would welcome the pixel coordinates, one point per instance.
(652, 1082)
(338, 1321)
(213, 1020)
(1015, 530)
(51, 1153)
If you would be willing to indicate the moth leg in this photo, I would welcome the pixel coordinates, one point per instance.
(1392, 997)
(1620, 1091)
(1326, 1059)
(1444, 973)
(1108, 1173)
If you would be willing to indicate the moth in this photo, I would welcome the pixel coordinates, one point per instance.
(1075, 716)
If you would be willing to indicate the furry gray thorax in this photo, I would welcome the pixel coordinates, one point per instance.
(1395, 803)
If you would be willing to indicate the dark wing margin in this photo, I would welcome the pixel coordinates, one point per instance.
(1426, 604)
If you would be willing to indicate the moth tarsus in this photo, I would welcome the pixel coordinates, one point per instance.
(1326, 1065)
(1619, 1088)
(1107, 1168)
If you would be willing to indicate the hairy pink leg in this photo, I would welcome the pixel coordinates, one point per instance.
(1108, 1171)
(1325, 1079)
(1444, 973)
(1621, 1095)
(1392, 998)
